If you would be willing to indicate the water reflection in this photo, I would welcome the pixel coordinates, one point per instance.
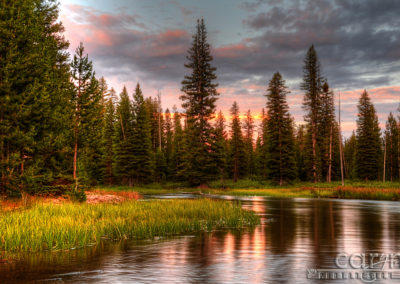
(295, 234)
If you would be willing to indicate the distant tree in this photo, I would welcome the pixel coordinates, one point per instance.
(326, 131)
(179, 148)
(349, 152)
(109, 137)
(142, 147)
(248, 130)
(281, 158)
(221, 147)
(262, 147)
(300, 152)
(124, 148)
(368, 149)
(391, 141)
(236, 145)
(86, 99)
(200, 95)
(312, 84)
(169, 135)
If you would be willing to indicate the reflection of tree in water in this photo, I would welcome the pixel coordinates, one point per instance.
(37, 266)
(371, 227)
(394, 230)
(282, 229)
(325, 221)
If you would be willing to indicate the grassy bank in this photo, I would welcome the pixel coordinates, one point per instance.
(53, 227)
(353, 189)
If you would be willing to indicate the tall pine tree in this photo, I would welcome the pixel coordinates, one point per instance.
(312, 84)
(392, 150)
(236, 145)
(143, 161)
(124, 148)
(200, 95)
(281, 158)
(368, 149)
(86, 98)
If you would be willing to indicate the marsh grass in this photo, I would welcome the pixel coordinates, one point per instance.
(59, 227)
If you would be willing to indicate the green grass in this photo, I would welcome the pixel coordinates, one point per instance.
(55, 227)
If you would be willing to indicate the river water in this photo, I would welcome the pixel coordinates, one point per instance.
(295, 235)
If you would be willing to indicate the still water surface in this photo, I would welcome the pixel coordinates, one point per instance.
(295, 235)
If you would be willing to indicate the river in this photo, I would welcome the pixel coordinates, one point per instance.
(295, 235)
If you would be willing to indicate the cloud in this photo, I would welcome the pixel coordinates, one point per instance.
(119, 45)
(358, 43)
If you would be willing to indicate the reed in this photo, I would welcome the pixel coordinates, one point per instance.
(64, 226)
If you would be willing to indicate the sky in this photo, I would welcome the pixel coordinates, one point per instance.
(358, 44)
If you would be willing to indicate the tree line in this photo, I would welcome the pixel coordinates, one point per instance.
(60, 123)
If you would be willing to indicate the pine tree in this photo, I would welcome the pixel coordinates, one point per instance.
(248, 130)
(124, 148)
(391, 141)
(34, 90)
(179, 148)
(236, 145)
(143, 161)
(168, 143)
(109, 138)
(349, 152)
(312, 83)
(368, 149)
(221, 147)
(86, 99)
(199, 99)
(281, 162)
(300, 155)
(262, 147)
(326, 131)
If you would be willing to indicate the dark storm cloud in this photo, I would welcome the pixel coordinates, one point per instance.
(358, 42)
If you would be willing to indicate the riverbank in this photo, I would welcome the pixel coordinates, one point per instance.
(352, 190)
(49, 226)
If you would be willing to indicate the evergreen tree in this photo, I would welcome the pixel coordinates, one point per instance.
(368, 149)
(221, 147)
(326, 132)
(391, 141)
(124, 148)
(349, 152)
(109, 137)
(236, 145)
(199, 99)
(169, 133)
(248, 129)
(281, 162)
(312, 83)
(34, 90)
(143, 161)
(179, 148)
(262, 147)
(86, 99)
(300, 155)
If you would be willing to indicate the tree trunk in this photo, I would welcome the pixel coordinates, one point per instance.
(235, 171)
(75, 152)
(314, 145)
(384, 163)
(391, 159)
(330, 156)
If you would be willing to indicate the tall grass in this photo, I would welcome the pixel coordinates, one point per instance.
(54, 227)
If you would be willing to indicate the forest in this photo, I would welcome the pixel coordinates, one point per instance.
(62, 128)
